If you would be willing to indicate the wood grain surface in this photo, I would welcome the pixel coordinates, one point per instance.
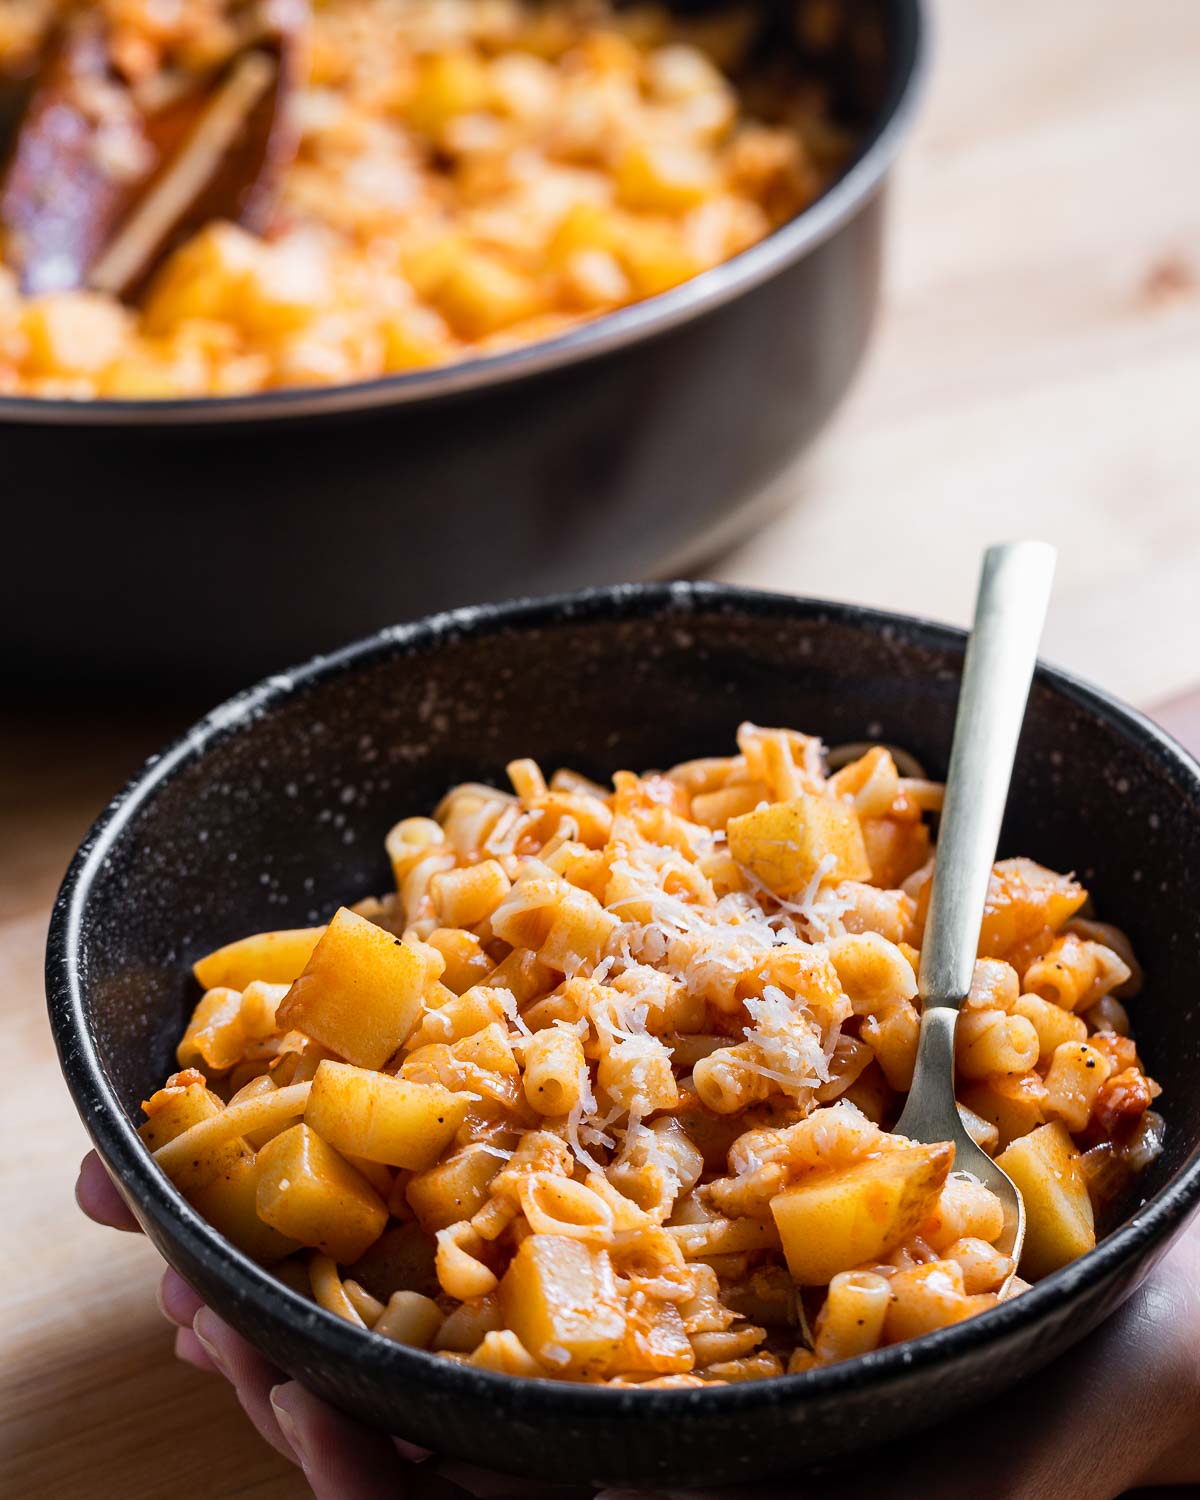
(1035, 371)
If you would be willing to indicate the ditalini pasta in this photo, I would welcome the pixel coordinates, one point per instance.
(602, 1091)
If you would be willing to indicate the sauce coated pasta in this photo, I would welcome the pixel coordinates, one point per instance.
(602, 1091)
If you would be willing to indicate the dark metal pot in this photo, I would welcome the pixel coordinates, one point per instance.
(273, 810)
(219, 538)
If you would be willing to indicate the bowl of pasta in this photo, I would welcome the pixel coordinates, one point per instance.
(501, 1022)
(497, 259)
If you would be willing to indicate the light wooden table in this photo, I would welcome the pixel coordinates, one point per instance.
(1036, 372)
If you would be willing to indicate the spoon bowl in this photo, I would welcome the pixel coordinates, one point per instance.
(929, 1117)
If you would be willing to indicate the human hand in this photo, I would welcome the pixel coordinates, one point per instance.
(1121, 1409)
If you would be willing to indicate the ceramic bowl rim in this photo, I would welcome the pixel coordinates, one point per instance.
(176, 1220)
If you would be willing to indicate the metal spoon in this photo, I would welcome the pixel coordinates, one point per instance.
(1014, 590)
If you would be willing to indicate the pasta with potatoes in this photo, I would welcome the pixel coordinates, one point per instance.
(443, 179)
(602, 1090)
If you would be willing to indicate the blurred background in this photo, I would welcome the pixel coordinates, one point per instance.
(1034, 371)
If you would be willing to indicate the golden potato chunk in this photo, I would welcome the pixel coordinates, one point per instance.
(1059, 1223)
(560, 1298)
(786, 843)
(1014, 1105)
(275, 957)
(229, 1201)
(311, 1194)
(454, 1189)
(178, 1107)
(381, 1118)
(835, 1220)
(360, 992)
(1024, 898)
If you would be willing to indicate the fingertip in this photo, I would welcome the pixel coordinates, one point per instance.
(212, 1334)
(177, 1301)
(191, 1351)
(98, 1198)
(282, 1406)
(341, 1459)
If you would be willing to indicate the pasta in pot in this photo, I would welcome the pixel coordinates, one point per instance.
(457, 178)
(605, 1096)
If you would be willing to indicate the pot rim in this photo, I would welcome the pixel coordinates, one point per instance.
(162, 1205)
(627, 326)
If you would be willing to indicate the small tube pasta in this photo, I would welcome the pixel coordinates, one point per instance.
(852, 1318)
(459, 1270)
(989, 1042)
(983, 1267)
(559, 1205)
(409, 1318)
(553, 1067)
(504, 1352)
(1077, 1074)
(329, 1292)
(1076, 972)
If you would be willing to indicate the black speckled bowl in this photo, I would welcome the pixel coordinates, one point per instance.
(273, 809)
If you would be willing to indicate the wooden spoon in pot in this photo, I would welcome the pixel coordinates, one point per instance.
(101, 187)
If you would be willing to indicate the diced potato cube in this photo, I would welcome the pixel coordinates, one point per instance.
(895, 849)
(586, 226)
(664, 176)
(229, 1201)
(480, 295)
(274, 957)
(381, 1118)
(448, 84)
(1023, 898)
(150, 373)
(455, 1189)
(655, 257)
(1059, 1223)
(360, 992)
(560, 1298)
(402, 1259)
(311, 1194)
(835, 1220)
(1015, 1106)
(785, 844)
(176, 1108)
(204, 278)
(68, 332)
(414, 338)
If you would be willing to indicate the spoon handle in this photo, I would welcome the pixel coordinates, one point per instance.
(1014, 590)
